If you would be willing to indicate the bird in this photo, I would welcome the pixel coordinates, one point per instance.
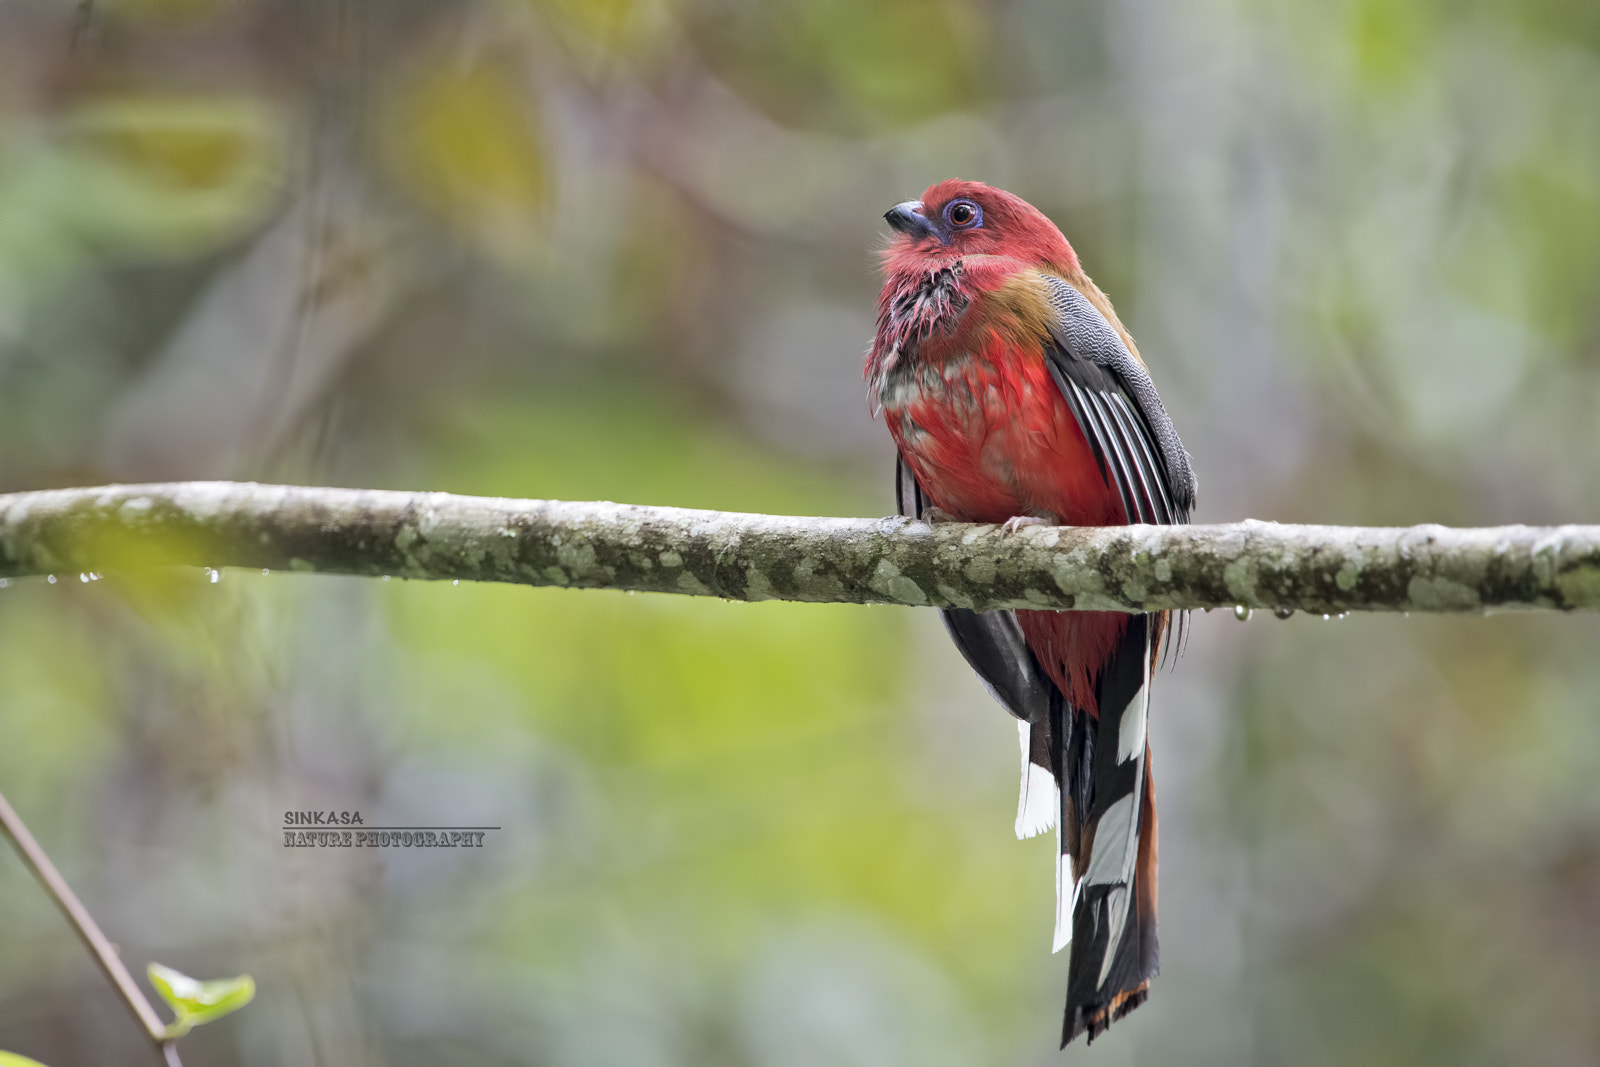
(1015, 396)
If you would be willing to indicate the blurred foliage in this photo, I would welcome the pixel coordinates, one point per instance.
(467, 143)
(840, 65)
(624, 250)
(143, 175)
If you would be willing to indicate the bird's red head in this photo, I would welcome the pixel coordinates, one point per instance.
(956, 218)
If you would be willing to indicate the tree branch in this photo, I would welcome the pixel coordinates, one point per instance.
(1323, 569)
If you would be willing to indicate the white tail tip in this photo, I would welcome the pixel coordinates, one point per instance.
(1039, 801)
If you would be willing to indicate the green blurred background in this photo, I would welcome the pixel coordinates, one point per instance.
(624, 249)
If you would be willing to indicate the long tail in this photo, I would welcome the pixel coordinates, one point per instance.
(1090, 779)
(1106, 830)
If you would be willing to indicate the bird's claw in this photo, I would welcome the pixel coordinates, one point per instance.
(932, 516)
(1017, 522)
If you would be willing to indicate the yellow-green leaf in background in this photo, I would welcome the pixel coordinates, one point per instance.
(175, 171)
(167, 11)
(598, 20)
(1390, 44)
(11, 1059)
(850, 66)
(597, 34)
(196, 1001)
(467, 141)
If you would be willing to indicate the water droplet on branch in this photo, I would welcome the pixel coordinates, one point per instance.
(1242, 613)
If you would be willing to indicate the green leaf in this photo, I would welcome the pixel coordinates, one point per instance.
(197, 1002)
(11, 1059)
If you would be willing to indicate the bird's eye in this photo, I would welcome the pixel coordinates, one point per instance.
(963, 213)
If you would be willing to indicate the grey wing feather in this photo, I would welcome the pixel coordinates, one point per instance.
(1131, 432)
(1115, 403)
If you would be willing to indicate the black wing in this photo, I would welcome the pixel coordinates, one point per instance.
(990, 642)
(993, 646)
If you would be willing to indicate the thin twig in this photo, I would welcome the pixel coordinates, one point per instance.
(103, 951)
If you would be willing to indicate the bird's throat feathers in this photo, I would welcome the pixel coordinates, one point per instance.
(933, 309)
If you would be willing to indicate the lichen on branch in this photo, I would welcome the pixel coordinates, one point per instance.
(600, 545)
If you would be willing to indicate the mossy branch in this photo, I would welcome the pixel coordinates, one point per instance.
(434, 536)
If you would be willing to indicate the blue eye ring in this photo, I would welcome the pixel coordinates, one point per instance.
(963, 215)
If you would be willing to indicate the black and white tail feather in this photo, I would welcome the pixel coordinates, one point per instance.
(1089, 778)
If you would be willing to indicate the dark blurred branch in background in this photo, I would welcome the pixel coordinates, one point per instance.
(1322, 569)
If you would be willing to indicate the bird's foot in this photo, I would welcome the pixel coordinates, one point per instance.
(933, 516)
(1017, 522)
